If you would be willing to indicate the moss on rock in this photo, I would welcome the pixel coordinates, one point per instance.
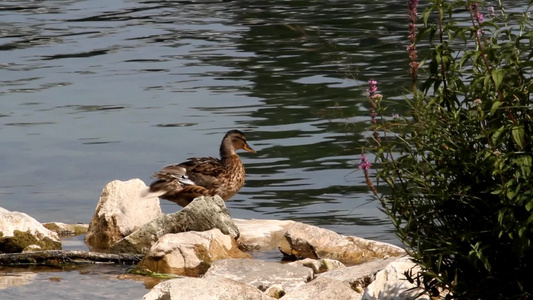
(21, 240)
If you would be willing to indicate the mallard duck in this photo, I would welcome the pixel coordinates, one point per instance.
(204, 176)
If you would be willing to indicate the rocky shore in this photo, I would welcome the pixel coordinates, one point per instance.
(211, 254)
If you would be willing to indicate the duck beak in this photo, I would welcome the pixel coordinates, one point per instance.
(248, 148)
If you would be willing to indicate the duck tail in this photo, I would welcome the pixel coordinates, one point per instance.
(154, 190)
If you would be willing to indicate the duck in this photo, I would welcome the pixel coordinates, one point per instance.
(181, 183)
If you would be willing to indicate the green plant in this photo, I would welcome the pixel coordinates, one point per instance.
(460, 167)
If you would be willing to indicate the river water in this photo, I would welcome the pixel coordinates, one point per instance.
(93, 91)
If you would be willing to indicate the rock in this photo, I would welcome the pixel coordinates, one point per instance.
(319, 265)
(31, 248)
(120, 211)
(203, 213)
(66, 230)
(18, 231)
(204, 289)
(391, 284)
(360, 276)
(260, 274)
(261, 234)
(190, 253)
(307, 241)
(323, 288)
(275, 291)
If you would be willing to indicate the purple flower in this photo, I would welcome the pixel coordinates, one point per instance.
(372, 87)
(479, 17)
(364, 165)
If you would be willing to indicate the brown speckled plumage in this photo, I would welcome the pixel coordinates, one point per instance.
(204, 176)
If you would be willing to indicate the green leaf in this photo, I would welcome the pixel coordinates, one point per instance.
(518, 136)
(529, 205)
(495, 106)
(497, 76)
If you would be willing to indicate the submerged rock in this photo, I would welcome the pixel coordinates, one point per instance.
(319, 265)
(204, 289)
(66, 230)
(190, 253)
(307, 241)
(120, 211)
(203, 213)
(261, 274)
(18, 231)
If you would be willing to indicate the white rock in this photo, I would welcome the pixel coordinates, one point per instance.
(358, 277)
(202, 214)
(323, 288)
(17, 221)
(261, 234)
(307, 241)
(190, 253)
(120, 211)
(391, 284)
(261, 274)
(204, 289)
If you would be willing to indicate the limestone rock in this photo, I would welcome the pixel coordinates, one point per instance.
(261, 234)
(31, 248)
(18, 231)
(190, 253)
(203, 213)
(358, 277)
(260, 274)
(319, 265)
(323, 288)
(204, 289)
(391, 284)
(66, 230)
(307, 241)
(120, 211)
(275, 291)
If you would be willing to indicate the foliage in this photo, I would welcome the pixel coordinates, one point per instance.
(460, 167)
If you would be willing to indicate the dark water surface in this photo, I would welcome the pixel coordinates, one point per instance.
(93, 91)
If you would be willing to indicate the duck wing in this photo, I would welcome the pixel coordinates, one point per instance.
(204, 171)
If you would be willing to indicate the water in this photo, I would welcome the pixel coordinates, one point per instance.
(93, 91)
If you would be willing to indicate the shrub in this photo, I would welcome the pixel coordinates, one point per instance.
(459, 167)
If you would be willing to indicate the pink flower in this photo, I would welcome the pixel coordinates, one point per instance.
(365, 164)
(372, 87)
(491, 11)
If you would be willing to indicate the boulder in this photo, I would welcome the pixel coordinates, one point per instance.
(275, 291)
(18, 231)
(190, 253)
(260, 274)
(261, 234)
(307, 241)
(391, 284)
(66, 230)
(203, 213)
(204, 289)
(358, 277)
(120, 211)
(319, 265)
(322, 288)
